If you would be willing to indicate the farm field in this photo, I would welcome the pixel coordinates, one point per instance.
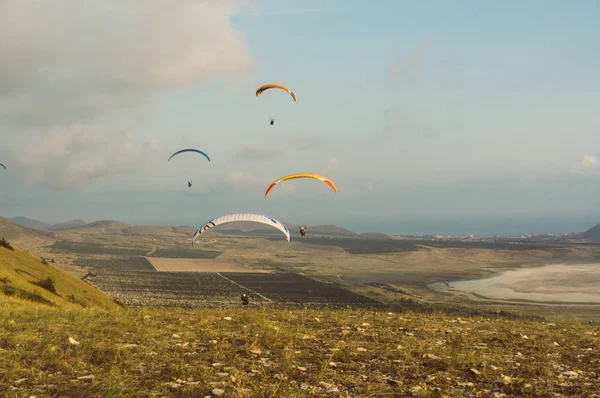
(292, 288)
(213, 289)
(376, 267)
(170, 289)
(197, 265)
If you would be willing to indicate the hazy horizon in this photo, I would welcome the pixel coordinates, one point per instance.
(448, 227)
(417, 111)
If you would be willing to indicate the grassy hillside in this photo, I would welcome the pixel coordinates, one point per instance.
(280, 353)
(26, 278)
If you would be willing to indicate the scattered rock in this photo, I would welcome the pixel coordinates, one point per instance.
(218, 392)
(228, 318)
(72, 341)
(360, 349)
(20, 381)
(474, 372)
(88, 377)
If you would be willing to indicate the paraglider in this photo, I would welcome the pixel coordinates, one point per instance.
(302, 175)
(3, 166)
(279, 86)
(189, 150)
(242, 217)
(303, 230)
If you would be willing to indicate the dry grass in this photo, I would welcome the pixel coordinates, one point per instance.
(282, 353)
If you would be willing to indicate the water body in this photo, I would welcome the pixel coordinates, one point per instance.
(556, 283)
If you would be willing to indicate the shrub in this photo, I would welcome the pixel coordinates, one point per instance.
(47, 284)
(6, 244)
(75, 300)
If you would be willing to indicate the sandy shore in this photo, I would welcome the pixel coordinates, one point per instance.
(564, 283)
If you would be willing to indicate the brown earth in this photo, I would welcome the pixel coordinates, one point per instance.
(197, 265)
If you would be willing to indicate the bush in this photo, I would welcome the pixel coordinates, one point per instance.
(47, 284)
(44, 261)
(6, 244)
(75, 300)
(9, 290)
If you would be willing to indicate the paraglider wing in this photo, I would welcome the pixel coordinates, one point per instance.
(279, 86)
(189, 150)
(242, 217)
(302, 175)
(3, 166)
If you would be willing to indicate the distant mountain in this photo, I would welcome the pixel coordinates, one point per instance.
(68, 225)
(30, 222)
(244, 226)
(11, 230)
(592, 233)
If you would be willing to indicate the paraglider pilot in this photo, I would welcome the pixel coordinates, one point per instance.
(189, 184)
(272, 122)
(245, 299)
(303, 231)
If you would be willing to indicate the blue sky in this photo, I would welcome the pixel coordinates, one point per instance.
(417, 110)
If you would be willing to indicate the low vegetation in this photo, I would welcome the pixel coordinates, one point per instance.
(6, 244)
(255, 352)
(26, 277)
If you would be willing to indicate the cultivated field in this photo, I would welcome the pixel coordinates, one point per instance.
(388, 270)
(197, 265)
(169, 289)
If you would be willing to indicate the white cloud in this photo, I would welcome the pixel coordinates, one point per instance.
(587, 164)
(75, 157)
(72, 59)
(257, 152)
(241, 181)
(406, 67)
(331, 165)
(65, 66)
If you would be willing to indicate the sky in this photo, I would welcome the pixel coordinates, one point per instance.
(427, 115)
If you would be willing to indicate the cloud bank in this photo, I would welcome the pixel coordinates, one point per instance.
(72, 70)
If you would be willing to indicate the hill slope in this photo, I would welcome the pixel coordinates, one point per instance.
(29, 222)
(20, 274)
(592, 233)
(11, 230)
(68, 225)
